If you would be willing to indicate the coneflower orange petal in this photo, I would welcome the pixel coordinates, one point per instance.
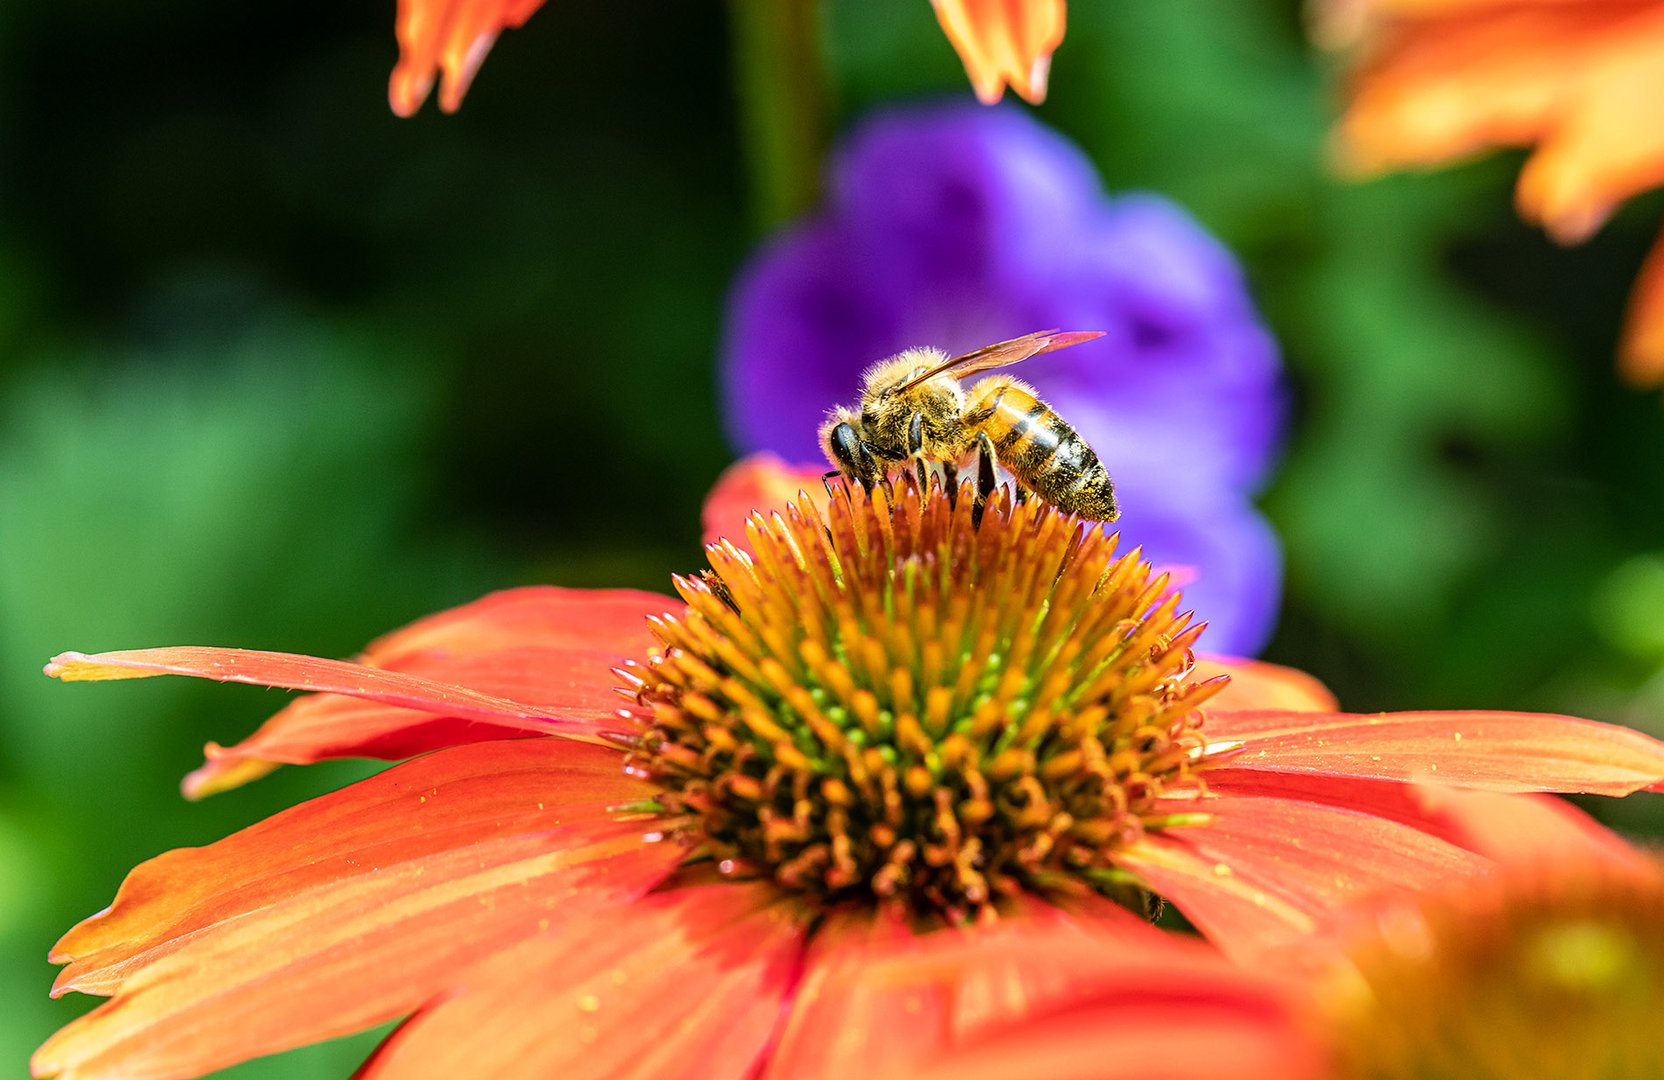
(1505, 827)
(611, 622)
(1179, 1011)
(318, 727)
(1641, 352)
(687, 982)
(880, 998)
(760, 483)
(1448, 87)
(1520, 831)
(448, 40)
(1256, 684)
(1497, 751)
(1004, 42)
(411, 812)
(545, 644)
(1607, 143)
(290, 671)
(1263, 870)
(353, 953)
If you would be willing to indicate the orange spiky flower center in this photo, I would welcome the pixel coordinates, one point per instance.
(1557, 975)
(912, 701)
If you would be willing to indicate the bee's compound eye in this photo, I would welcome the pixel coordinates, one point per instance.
(845, 445)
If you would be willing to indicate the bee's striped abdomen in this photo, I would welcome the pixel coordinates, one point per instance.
(1040, 449)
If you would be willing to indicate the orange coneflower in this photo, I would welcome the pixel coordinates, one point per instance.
(890, 732)
(1001, 42)
(1582, 82)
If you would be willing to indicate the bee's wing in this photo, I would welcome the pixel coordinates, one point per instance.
(1004, 354)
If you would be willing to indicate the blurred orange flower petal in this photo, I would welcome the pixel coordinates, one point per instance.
(1256, 684)
(1642, 357)
(1004, 42)
(1499, 751)
(685, 984)
(447, 40)
(543, 644)
(1583, 82)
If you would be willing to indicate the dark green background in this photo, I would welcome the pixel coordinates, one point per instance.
(281, 371)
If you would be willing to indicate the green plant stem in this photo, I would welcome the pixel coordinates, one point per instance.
(781, 94)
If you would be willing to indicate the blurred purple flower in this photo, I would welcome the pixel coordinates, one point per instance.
(957, 226)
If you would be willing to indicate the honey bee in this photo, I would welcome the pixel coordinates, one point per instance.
(913, 409)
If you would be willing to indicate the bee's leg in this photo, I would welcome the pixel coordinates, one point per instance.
(826, 482)
(985, 478)
(915, 450)
(950, 482)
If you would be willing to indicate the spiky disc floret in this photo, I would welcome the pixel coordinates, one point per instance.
(896, 699)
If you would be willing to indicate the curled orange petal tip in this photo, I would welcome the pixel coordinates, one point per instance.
(80, 667)
(1641, 352)
(222, 771)
(1004, 44)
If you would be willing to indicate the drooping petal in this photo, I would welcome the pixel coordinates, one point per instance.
(354, 952)
(1263, 870)
(448, 37)
(687, 982)
(1258, 685)
(1608, 142)
(879, 997)
(319, 727)
(1447, 87)
(290, 671)
(1170, 1008)
(1523, 831)
(542, 644)
(762, 482)
(412, 812)
(1509, 828)
(1583, 81)
(1497, 751)
(1641, 355)
(1004, 42)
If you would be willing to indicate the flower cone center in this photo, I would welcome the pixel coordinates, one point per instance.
(906, 699)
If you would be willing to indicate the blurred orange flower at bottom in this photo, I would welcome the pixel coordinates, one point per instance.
(1553, 967)
(1582, 82)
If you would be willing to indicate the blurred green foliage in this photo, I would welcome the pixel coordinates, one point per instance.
(281, 371)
